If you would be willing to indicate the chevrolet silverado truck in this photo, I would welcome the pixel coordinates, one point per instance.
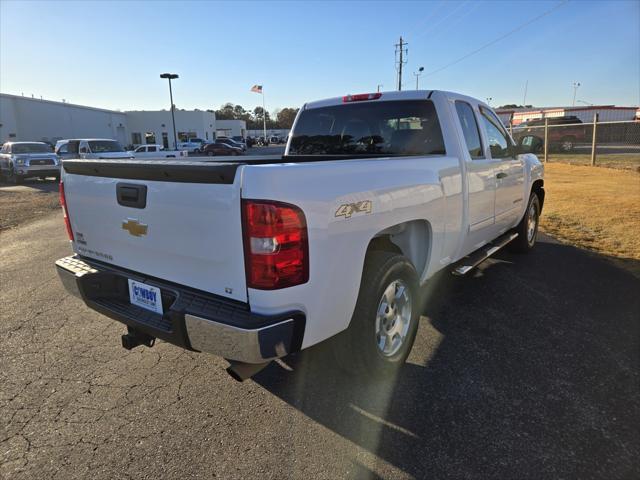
(157, 151)
(255, 258)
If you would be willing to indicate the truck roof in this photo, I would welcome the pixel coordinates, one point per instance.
(394, 95)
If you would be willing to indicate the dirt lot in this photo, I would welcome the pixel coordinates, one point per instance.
(21, 204)
(623, 161)
(593, 208)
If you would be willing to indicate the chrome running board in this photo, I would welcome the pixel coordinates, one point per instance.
(471, 261)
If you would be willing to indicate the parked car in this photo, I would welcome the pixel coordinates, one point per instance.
(220, 148)
(193, 145)
(255, 258)
(232, 143)
(157, 151)
(20, 160)
(92, 148)
(240, 139)
(563, 138)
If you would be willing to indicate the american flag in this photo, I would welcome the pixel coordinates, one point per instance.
(257, 88)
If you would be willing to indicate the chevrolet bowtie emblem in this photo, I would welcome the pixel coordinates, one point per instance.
(134, 227)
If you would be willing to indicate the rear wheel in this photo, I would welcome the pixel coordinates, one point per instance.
(384, 323)
(567, 144)
(527, 229)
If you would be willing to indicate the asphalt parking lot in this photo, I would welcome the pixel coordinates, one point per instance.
(527, 369)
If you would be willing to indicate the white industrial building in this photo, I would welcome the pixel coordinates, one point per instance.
(606, 113)
(231, 128)
(27, 118)
(148, 127)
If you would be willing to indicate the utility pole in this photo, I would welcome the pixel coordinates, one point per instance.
(400, 53)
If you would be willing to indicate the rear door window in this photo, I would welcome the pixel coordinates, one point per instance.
(396, 128)
(470, 129)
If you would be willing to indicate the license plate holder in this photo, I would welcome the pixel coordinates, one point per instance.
(145, 296)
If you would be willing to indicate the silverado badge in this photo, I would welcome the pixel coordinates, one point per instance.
(348, 209)
(134, 227)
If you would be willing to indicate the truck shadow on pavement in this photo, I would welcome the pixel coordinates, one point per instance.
(528, 369)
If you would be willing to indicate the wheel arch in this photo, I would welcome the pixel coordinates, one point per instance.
(538, 188)
(411, 239)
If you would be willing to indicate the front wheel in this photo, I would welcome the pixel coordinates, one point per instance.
(13, 177)
(385, 320)
(527, 229)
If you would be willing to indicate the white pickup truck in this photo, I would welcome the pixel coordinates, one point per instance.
(255, 258)
(157, 151)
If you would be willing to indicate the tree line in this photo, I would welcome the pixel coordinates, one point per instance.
(283, 117)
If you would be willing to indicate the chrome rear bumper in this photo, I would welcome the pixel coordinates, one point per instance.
(192, 319)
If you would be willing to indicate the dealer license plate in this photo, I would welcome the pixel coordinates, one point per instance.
(145, 296)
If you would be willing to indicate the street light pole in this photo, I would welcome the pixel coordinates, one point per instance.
(420, 70)
(575, 90)
(172, 76)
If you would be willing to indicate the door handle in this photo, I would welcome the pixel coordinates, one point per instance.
(501, 175)
(131, 195)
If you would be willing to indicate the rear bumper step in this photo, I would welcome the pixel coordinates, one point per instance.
(192, 319)
(468, 263)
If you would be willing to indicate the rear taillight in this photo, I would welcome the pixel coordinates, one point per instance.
(276, 249)
(361, 97)
(65, 212)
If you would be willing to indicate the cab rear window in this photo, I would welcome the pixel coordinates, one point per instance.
(403, 127)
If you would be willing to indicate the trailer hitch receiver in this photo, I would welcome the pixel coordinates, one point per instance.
(134, 338)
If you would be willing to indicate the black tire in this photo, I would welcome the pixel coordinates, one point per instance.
(524, 242)
(356, 350)
(210, 153)
(197, 150)
(13, 177)
(567, 144)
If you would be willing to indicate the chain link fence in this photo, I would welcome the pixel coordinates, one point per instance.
(611, 144)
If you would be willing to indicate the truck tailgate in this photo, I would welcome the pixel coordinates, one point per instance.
(187, 228)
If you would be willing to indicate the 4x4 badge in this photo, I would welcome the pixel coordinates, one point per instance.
(348, 209)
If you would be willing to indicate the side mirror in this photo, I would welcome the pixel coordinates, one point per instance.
(529, 144)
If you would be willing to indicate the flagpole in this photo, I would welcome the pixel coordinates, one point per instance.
(264, 116)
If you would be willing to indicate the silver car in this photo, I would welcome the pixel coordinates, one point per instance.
(20, 160)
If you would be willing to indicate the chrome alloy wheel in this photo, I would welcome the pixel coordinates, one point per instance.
(393, 318)
(532, 223)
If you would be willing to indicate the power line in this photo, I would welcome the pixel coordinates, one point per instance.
(441, 21)
(511, 32)
(430, 16)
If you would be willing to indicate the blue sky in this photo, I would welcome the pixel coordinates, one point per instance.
(110, 54)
